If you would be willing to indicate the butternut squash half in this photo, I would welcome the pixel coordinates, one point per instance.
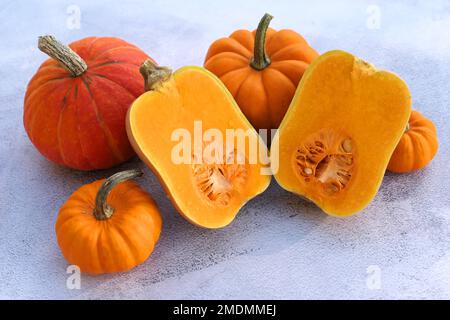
(188, 129)
(335, 142)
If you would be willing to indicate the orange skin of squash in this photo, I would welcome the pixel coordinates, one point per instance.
(79, 122)
(191, 94)
(263, 96)
(114, 245)
(417, 147)
(346, 98)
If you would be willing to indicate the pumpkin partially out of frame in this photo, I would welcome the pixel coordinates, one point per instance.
(207, 188)
(341, 129)
(261, 69)
(76, 103)
(109, 225)
(417, 147)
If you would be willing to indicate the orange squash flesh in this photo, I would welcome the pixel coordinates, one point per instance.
(194, 94)
(339, 133)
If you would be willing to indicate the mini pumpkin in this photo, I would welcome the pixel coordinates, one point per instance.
(417, 146)
(261, 69)
(109, 225)
(76, 103)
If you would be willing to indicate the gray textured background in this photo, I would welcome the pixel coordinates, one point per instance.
(279, 246)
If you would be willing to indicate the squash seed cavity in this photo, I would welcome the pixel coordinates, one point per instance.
(218, 181)
(327, 159)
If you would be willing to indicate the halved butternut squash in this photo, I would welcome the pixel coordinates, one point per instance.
(335, 142)
(178, 128)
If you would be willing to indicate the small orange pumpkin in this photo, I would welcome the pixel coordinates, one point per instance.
(76, 103)
(109, 225)
(261, 70)
(417, 147)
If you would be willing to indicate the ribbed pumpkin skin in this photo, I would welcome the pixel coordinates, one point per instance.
(114, 245)
(263, 96)
(417, 147)
(79, 122)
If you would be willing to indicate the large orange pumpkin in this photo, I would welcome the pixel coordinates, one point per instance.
(76, 103)
(417, 147)
(261, 69)
(109, 225)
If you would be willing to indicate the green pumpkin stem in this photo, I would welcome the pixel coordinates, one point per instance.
(260, 59)
(103, 210)
(153, 74)
(68, 58)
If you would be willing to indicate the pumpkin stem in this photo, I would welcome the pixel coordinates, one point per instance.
(153, 74)
(260, 59)
(68, 58)
(102, 209)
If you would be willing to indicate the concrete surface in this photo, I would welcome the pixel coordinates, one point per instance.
(279, 246)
